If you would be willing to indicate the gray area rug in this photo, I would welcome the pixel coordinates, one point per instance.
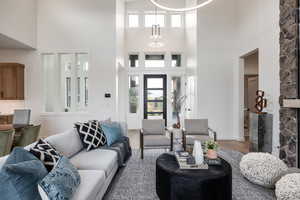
(136, 181)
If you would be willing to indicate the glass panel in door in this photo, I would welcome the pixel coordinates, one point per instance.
(155, 102)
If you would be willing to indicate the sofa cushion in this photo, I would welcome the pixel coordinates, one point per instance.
(156, 140)
(46, 153)
(61, 182)
(190, 139)
(97, 159)
(67, 143)
(20, 175)
(91, 134)
(112, 131)
(92, 182)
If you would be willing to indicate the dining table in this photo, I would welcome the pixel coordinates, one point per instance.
(6, 127)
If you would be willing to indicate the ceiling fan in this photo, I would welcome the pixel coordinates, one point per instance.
(199, 5)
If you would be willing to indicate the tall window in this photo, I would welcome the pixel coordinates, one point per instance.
(133, 21)
(133, 60)
(176, 21)
(133, 93)
(154, 60)
(151, 19)
(176, 60)
(177, 97)
(82, 67)
(65, 81)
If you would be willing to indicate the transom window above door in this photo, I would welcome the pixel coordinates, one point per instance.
(154, 60)
(151, 19)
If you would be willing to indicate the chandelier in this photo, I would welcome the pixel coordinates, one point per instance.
(181, 9)
(156, 34)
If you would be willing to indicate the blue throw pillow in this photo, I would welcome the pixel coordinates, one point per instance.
(112, 131)
(20, 176)
(62, 182)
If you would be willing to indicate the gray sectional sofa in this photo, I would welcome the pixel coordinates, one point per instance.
(96, 167)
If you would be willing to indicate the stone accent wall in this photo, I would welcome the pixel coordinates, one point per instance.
(288, 79)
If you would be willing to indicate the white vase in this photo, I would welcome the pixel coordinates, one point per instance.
(198, 153)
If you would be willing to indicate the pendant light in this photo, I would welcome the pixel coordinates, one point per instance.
(200, 5)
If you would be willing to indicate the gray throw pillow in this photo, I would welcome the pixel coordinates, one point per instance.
(20, 176)
(62, 182)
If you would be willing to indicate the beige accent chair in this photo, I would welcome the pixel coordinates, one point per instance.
(197, 129)
(6, 141)
(154, 135)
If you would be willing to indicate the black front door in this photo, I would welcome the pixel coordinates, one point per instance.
(155, 97)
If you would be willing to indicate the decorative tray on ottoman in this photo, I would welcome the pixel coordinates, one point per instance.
(186, 161)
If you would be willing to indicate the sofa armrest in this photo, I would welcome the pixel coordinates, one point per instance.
(124, 128)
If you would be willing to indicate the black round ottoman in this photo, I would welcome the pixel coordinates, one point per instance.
(173, 183)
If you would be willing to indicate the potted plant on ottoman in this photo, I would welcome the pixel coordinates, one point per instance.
(211, 149)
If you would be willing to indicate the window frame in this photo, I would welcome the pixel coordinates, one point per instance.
(138, 20)
(153, 14)
(158, 54)
(138, 60)
(61, 71)
(171, 20)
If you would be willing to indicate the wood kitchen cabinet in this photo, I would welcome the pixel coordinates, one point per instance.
(11, 81)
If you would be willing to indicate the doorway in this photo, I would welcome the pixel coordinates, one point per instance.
(251, 85)
(155, 96)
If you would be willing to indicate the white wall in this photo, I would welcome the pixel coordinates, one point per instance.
(138, 39)
(8, 107)
(216, 51)
(191, 60)
(18, 20)
(68, 25)
(258, 28)
(33, 80)
(120, 67)
(88, 25)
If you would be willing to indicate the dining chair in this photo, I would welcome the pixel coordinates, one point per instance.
(6, 141)
(197, 129)
(29, 135)
(21, 118)
(154, 135)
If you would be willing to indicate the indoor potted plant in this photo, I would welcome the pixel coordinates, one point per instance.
(211, 149)
(177, 103)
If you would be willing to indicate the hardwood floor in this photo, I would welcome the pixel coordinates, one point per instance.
(235, 145)
(226, 144)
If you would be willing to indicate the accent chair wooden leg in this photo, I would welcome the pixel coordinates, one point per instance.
(172, 141)
(142, 145)
(184, 141)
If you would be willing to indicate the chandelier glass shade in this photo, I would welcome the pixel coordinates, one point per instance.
(180, 9)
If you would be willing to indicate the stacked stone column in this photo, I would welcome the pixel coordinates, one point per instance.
(289, 47)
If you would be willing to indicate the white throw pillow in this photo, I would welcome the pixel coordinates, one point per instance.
(288, 187)
(67, 143)
(262, 168)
